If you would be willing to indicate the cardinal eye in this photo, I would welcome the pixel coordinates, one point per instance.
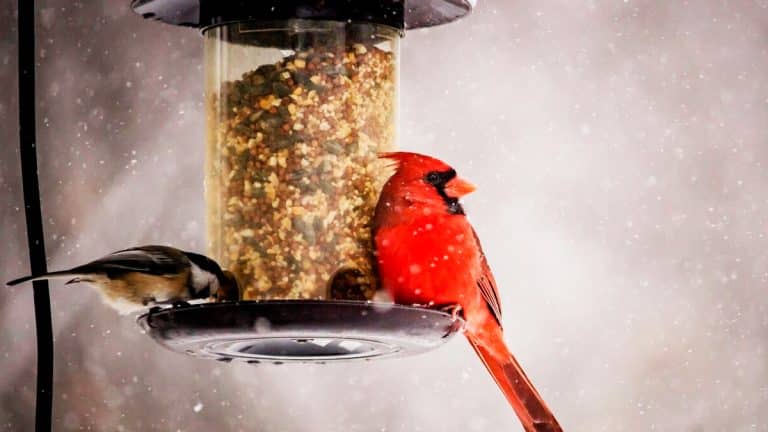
(433, 178)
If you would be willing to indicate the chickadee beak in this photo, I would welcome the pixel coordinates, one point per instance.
(458, 187)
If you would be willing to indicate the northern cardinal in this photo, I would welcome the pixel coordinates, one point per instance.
(427, 253)
(133, 278)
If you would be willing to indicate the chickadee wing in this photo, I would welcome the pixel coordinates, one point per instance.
(154, 260)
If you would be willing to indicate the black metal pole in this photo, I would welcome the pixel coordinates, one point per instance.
(27, 149)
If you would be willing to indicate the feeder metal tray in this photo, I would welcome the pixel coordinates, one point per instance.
(280, 331)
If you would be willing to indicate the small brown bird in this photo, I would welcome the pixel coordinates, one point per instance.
(134, 278)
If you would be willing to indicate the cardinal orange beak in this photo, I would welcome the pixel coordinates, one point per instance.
(458, 187)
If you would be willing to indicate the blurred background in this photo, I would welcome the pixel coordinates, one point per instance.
(620, 150)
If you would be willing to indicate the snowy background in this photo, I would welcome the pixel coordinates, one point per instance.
(620, 149)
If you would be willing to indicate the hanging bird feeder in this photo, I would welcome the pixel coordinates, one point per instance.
(300, 96)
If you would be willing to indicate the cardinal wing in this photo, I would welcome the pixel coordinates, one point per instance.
(487, 283)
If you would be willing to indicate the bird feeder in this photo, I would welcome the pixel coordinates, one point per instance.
(301, 96)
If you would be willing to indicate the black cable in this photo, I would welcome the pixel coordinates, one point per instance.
(27, 144)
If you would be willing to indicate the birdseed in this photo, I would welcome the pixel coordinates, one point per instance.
(293, 174)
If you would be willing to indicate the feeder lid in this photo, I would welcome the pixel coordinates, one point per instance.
(306, 331)
(204, 13)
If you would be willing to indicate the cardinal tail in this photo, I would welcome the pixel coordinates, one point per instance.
(51, 275)
(511, 379)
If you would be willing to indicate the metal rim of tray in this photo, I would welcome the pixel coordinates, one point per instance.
(308, 331)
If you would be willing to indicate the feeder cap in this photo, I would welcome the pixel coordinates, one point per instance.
(400, 14)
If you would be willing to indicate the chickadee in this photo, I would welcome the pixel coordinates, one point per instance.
(133, 278)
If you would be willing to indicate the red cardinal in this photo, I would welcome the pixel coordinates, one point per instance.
(428, 254)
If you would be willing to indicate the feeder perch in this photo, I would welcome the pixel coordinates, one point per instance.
(300, 96)
(310, 331)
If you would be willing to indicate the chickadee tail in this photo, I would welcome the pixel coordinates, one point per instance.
(51, 275)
